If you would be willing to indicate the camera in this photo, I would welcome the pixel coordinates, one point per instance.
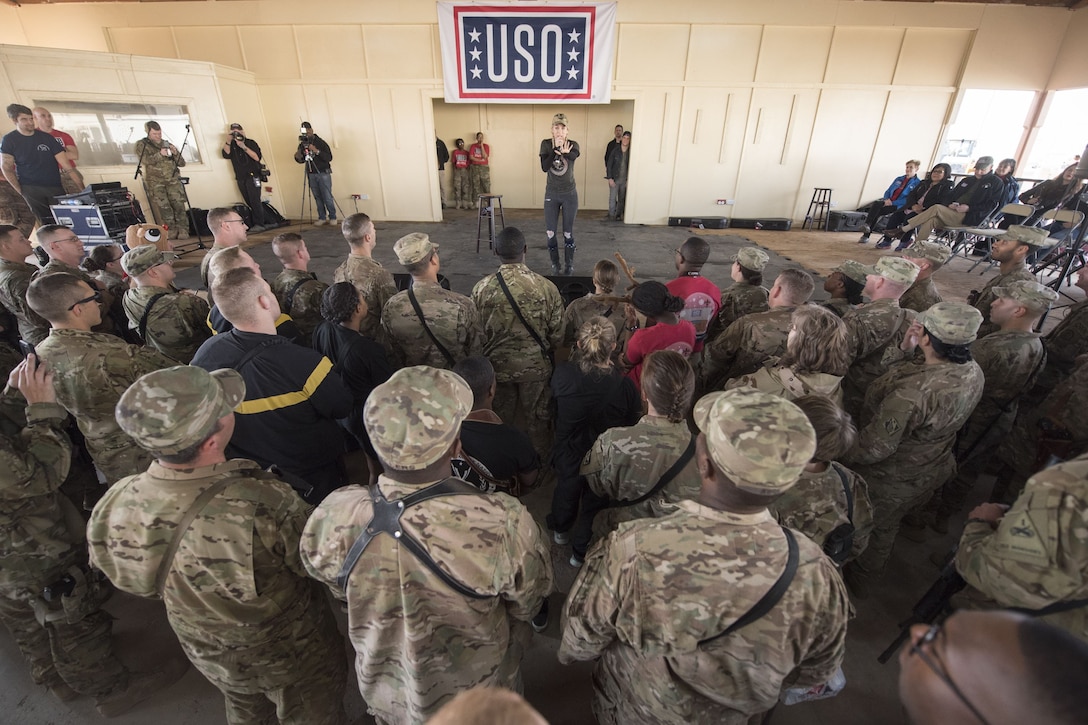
(264, 173)
(238, 135)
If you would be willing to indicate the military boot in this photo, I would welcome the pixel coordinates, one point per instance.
(553, 252)
(568, 258)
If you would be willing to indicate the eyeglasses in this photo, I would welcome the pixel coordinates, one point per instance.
(229, 221)
(77, 240)
(931, 661)
(93, 298)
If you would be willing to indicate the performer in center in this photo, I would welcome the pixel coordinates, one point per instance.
(557, 155)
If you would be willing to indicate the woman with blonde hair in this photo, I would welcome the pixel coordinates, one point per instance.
(817, 357)
(591, 396)
(605, 278)
(640, 471)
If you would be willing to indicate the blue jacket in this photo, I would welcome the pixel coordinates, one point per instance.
(902, 198)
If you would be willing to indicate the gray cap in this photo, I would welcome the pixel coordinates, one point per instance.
(752, 258)
(760, 441)
(414, 247)
(953, 323)
(895, 269)
(414, 417)
(1034, 236)
(854, 270)
(167, 411)
(139, 259)
(1029, 293)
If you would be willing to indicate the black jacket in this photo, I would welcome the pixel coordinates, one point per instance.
(982, 194)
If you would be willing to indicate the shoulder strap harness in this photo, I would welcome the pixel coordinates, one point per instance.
(427, 328)
(670, 474)
(142, 328)
(517, 311)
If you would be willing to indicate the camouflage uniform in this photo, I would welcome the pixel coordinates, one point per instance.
(451, 317)
(235, 592)
(784, 382)
(91, 371)
(37, 548)
(1039, 553)
(746, 345)
(816, 506)
(522, 370)
(376, 285)
(839, 305)
(163, 183)
(108, 304)
(206, 262)
(739, 300)
(920, 296)
(625, 463)
(418, 642)
(583, 308)
(15, 277)
(874, 332)
(986, 296)
(1067, 341)
(305, 307)
(14, 210)
(177, 324)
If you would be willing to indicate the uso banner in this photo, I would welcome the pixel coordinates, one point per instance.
(527, 53)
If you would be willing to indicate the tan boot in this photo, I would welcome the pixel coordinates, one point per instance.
(183, 234)
(142, 685)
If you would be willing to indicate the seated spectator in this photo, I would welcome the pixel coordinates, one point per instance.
(297, 289)
(1047, 195)
(817, 356)
(663, 329)
(974, 198)
(923, 293)
(103, 263)
(700, 295)
(487, 706)
(494, 456)
(894, 199)
(845, 285)
(1004, 172)
(935, 189)
(236, 258)
(605, 277)
(747, 294)
(170, 320)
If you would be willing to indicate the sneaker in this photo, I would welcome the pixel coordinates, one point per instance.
(183, 234)
(257, 229)
(540, 622)
(902, 246)
(577, 561)
(866, 230)
(141, 686)
(320, 223)
(883, 244)
(561, 537)
(864, 239)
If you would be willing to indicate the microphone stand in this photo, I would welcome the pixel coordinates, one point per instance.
(199, 244)
(143, 178)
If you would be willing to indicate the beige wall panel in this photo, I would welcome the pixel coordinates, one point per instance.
(842, 143)
(776, 142)
(1007, 57)
(600, 129)
(708, 149)
(864, 55)
(724, 52)
(213, 44)
(405, 152)
(651, 52)
(1071, 64)
(11, 26)
(282, 105)
(270, 51)
(793, 55)
(932, 56)
(937, 14)
(451, 122)
(155, 42)
(910, 129)
(398, 52)
(649, 186)
(868, 14)
(346, 59)
(93, 79)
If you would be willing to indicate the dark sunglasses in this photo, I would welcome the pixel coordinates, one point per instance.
(93, 298)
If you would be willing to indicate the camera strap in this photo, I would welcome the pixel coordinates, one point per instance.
(426, 328)
(517, 311)
(669, 475)
(199, 505)
(147, 312)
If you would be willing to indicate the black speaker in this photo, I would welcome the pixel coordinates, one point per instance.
(774, 224)
(571, 288)
(699, 222)
(198, 222)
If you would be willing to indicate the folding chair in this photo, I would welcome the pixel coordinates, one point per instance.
(981, 237)
(963, 238)
(1057, 257)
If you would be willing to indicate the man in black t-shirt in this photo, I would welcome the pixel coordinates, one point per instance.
(245, 156)
(33, 162)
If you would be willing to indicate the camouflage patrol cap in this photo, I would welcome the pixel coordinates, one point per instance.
(560, 118)
(414, 417)
(935, 254)
(895, 269)
(760, 441)
(953, 323)
(1029, 293)
(169, 410)
(853, 269)
(752, 258)
(1033, 236)
(414, 247)
(139, 259)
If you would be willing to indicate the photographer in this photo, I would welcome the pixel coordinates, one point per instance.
(316, 154)
(245, 155)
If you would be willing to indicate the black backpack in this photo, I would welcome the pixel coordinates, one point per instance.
(840, 542)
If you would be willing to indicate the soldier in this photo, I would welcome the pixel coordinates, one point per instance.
(426, 324)
(605, 277)
(755, 338)
(15, 277)
(14, 210)
(439, 598)
(908, 427)
(929, 256)
(641, 470)
(701, 296)
(876, 328)
(171, 321)
(65, 637)
(673, 620)
(65, 251)
(91, 369)
(366, 273)
(296, 288)
(228, 230)
(1035, 554)
(845, 285)
(160, 161)
(218, 541)
(1064, 344)
(828, 495)
(522, 317)
(1011, 360)
(747, 295)
(237, 258)
(1010, 250)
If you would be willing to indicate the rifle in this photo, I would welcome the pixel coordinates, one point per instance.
(932, 605)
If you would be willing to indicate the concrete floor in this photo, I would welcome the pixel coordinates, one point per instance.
(561, 694)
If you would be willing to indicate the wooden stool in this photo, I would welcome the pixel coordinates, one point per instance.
(487, 204)
(818, 209)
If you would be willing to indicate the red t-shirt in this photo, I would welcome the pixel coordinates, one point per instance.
(477, 151)
(460, 159)
(679, 338)
(65, 139)
(702, 298)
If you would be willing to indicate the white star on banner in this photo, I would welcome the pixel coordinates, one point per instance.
(572, 73)
(475, 54)
(474, 36)
(476, 72)
(572, 56)
(573, 36)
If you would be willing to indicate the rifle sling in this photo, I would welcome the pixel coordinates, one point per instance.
(517, 311)
(670, 474)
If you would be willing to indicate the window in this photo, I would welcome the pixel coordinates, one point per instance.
(1061, 137)
(988, 123)
(106, 133)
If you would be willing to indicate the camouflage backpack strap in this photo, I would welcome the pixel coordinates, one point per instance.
(147, 313)
(773, 595)
(427, 328)
(670, 474)
(289, 298)
(517, 311)
(199, 505)
(386, 519)
(839, 542)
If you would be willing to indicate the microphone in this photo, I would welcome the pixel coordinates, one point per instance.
(186, 127)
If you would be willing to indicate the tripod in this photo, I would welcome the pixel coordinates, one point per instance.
(184, 181)
(306, 204)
